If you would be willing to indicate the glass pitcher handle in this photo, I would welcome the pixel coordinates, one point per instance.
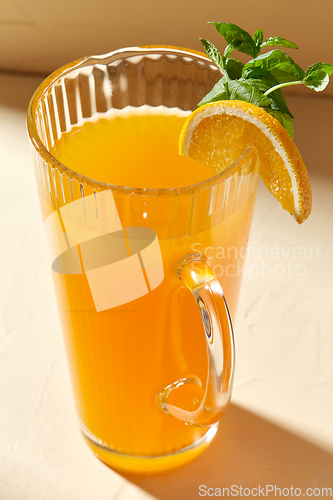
(198, 276)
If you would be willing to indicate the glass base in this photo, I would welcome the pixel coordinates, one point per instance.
(148, 465)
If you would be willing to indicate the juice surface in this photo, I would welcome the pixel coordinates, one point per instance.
(121, 358)
(138, 148)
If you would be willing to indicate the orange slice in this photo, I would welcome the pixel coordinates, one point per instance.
(218, 133)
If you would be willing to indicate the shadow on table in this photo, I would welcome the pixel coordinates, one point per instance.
(247, 451)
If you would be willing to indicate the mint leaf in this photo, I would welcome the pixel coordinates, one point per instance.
(244, 91)
(236, 38)
(234, 68)
(219, 92)
(316, 80)
(212, 52)
(277, 41)
(258, 39)
(235, 90)
(284, 119)
(230, 48)
(320, 66)
(260, 80)
(263, 81)
(281, 66)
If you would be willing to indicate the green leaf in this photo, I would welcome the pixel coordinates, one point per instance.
(212, 52)
(263, 80)
(237, 38)
(277, 41)
(320, 66)
(284, 119)
(260, 81)
(234, 68)
(230, 48)
(244, 91)
(235, 90)
(281, 66)
(219, 92)
(317, 80)
(258, 39)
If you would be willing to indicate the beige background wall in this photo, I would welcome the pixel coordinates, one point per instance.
(40, 35)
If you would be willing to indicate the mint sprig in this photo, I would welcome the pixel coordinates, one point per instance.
(261, 79)
(281, 66)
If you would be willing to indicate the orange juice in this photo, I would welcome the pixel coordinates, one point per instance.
(135, 147)
(121, 358)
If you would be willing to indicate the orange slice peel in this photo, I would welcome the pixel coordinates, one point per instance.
(216, 134)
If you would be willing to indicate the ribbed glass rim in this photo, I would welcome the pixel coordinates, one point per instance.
(108, 58)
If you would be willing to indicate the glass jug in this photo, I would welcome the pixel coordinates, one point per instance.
(142, 276)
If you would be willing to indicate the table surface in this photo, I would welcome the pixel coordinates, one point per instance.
(279, 428)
